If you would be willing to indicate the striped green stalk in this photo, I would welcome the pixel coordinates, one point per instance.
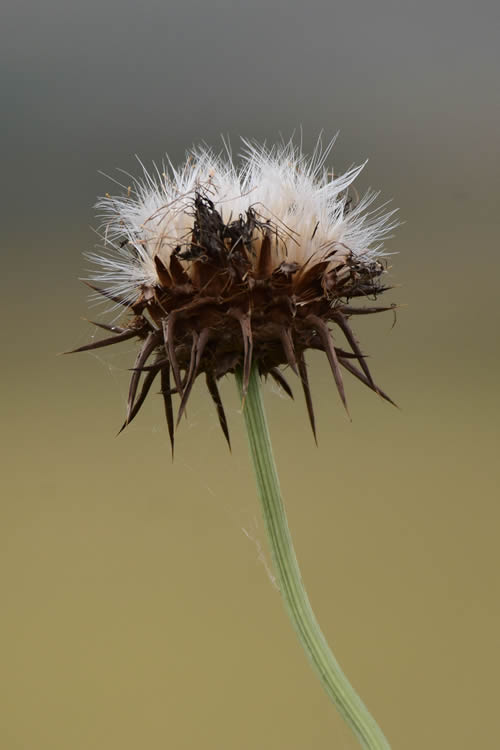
(289, 578)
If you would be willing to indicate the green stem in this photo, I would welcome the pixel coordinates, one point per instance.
(289, 579)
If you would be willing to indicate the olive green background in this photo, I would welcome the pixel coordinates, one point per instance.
(136, 609)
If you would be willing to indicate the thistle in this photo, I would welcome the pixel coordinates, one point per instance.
(242, 269)
(220, 267)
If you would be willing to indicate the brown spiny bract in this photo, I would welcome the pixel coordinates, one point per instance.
(222, 268)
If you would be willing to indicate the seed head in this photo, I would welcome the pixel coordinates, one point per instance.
(219, 266)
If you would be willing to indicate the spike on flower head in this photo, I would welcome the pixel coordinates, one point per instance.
(220, 266)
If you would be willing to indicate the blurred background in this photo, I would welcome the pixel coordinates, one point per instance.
(137, 611)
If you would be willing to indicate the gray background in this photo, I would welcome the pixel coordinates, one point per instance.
(135, 611)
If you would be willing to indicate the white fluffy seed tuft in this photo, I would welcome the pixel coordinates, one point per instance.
(311, 209)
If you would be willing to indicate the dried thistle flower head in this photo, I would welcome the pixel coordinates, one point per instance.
(220, 266)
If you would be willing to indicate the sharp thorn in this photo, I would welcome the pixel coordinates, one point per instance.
(348, 333)
(360, 376)
(146, 386)
(326, 340)
(279, 378)
(106, 326)
(105, 342)
(197, 349)
(214, 392)
(168, 325)
(151, 341)
(349, 310)
(167, 400)
(307, 393)
(113, 297)
(288, 348)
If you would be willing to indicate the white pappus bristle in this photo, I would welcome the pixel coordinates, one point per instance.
(310, 208)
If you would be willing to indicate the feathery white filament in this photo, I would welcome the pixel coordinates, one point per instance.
(308, 206)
